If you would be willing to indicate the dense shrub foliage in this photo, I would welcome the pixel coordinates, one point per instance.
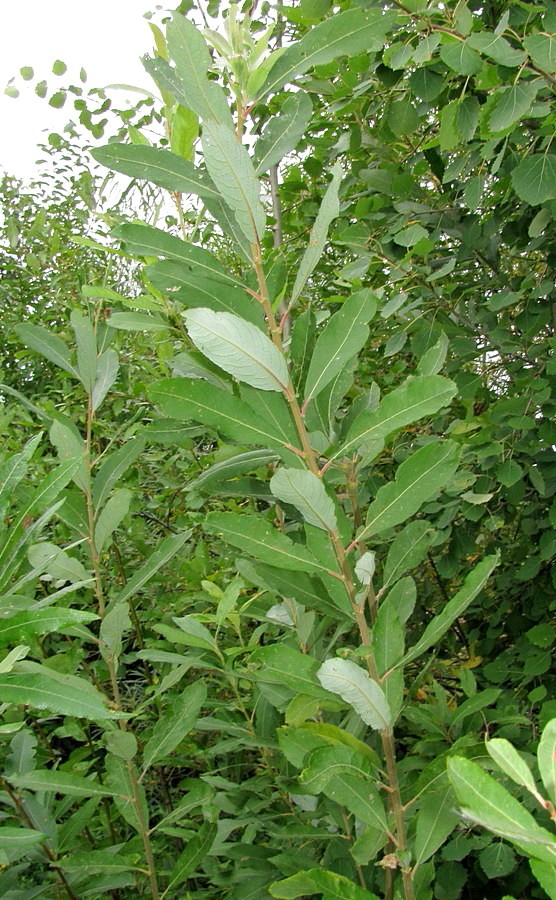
(277, 484)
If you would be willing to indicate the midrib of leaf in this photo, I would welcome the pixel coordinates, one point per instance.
(232, 170)
(221, 338)
(346, 338)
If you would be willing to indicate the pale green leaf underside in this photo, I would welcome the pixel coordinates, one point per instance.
(354, 685)
(238, 347)
(306, 492)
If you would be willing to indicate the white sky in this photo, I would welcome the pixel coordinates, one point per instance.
(105, 37)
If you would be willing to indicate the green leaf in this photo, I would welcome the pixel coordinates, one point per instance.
(27, 73)
(319, 881)
(490, 805)
(231, 468)
(344, 335)
(436, 820)
(135, 321)
(177, 723)
(508, 759)
(197, 634)
(142, 240)
(48, 345)
(408, 549)
(353, 684)
(13, 471)
(418, 397)
(19, 838)
(114, 625)
(231, 169)
(238, 347)
(512, 103)
(497, 860)
(55, 694)
(111, 517)
(460, 57)
(534, 179)
(70, 444)
(118, 778)
(328, 211)
(107, 371)
(101, 862)
(283, 132)
(545, 873)
(307, 493)
(54, 781)
(163, 554)
(542, 50)
(284, 665)
(417, 479)
(344, 34)
(86, 349)
(258, 538)
(455, 607)
(194, 400)
(292, 585)
(433, 360)
(184, 132)
(159, 166)
(113, 468)
(50, 559)
(196, 851)
(188, 49)
(546, 755)
(59, 67)
(186, 286)
(21, 626)
(497, 48)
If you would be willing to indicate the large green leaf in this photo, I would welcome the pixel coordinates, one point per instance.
(258, 538)
(157, 165)
(418, 397)
(238, 347)
(21, 626)
(188, 399)
(512, 103)
(347, 34)
(231, 468)
(284, 665)
(107, 371)
(356, 687)
(344, 335)
(39, 691)
(508, 759)
(51, 780)
(189, 51)
(231, 170)
(407, 551)
(436, 820)
(291, 585)
(417, 479)
(111, 517)
(484, 801)
(542, 50)
(328, 211)
(283, 132)
(319, 881)
(143, 240)
(534, 179)
(48, 345)
(193, 855)
(86, 349)
(184, 284)
(175, 725)
(305, 491)
(438, 627)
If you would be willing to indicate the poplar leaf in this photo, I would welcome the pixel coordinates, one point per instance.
(238, 347)
(307, 493)
(329, 210)
(232, 171)
(354, 685)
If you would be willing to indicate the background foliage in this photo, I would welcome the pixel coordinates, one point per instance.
(173, 719)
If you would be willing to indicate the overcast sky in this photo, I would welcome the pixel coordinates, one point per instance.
(105, 37)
